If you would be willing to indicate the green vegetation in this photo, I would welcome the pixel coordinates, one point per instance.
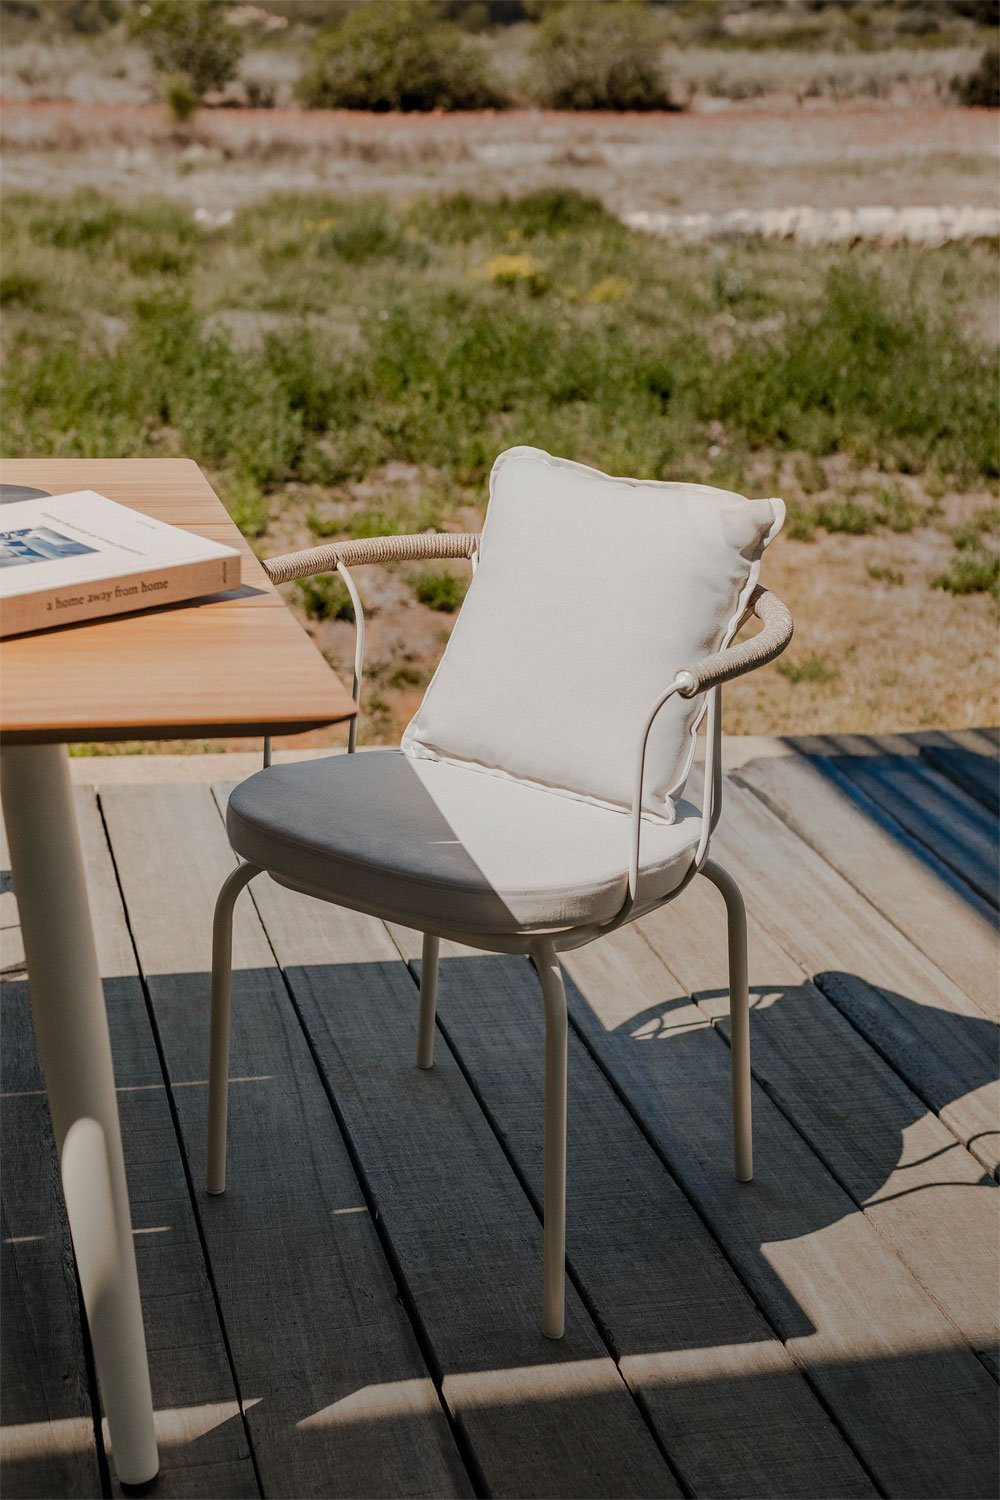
(975, 568)
(438, 590)
(602, 55)
(883, 573)
(191, 43)
(397, 54)
(809, 669)
(890, 508)
(326, 597)
(981, 90)
(396, 515)
(316, 342)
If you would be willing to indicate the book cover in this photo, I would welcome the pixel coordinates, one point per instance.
(68, 558)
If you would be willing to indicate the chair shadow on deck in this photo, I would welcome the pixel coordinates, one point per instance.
(353, 1413)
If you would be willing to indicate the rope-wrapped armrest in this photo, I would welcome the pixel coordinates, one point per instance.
(733, 661)
(375, 549)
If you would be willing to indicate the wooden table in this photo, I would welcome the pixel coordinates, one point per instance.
(237, 664)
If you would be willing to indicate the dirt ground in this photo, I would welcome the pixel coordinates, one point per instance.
(746, 157)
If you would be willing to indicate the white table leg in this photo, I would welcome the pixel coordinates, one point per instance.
(71, 1029)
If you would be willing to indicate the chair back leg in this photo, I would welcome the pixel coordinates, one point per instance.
(739, 1018)
(428, 1000)
(218, 1055)
(554, 1221)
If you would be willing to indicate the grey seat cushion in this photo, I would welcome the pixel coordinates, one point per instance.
(432, 844)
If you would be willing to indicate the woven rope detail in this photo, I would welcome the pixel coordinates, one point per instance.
(764, 647)
(376, 549)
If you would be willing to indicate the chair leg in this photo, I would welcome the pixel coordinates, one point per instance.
(554, 1221)
(739, 1019)
(428, 1000)
(218, 1056)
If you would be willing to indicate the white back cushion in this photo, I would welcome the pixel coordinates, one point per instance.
(591, 593)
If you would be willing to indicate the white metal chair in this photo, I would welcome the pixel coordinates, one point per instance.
(502, 823)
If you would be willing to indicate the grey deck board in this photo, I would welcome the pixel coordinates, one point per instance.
(931, 807)
(48, 1442)
(968, 758)
(48, 1437)
(732, 1408)
(930, 1032)
(852, 1314)
(901, 877)
(543, 1418)
(928, 1198)
(309, 1303)
(827, 1330)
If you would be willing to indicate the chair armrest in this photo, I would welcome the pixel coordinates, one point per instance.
(734, 661)
(376, 549)
(710, 672)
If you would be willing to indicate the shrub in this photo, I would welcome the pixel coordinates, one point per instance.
(443, 591)
(192, 37)
(179, 96)
(981, 89)
(326, 598)
(884, 573)
(365, 232)
(397, 54)
(868, 374)
(976, 567)
(811, 669)
(21, 286)
(248, 507)
(971, 572)
(601, 54)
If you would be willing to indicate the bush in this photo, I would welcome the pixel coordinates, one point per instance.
(443, 591)
(981, 90)
(971, 573)
(811, 669)
(601, 54)
(180, 98)
(192, 37)
(397, 54)
(868, 374)
(326, 597)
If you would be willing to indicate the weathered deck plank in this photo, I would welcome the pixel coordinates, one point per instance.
(731, 1407)
(867, 1242)
(907, 1009)
(311, 1312)
(48, 1444)
(875, 1347)
(928, 805)
(901, 877)
(543, 1418)
(968, 757)
(926, 1195)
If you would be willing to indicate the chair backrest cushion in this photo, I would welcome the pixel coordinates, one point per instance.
(590, 594)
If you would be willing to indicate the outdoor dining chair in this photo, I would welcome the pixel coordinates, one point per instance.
(535, 802)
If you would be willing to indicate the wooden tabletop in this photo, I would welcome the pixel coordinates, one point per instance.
(236, 664)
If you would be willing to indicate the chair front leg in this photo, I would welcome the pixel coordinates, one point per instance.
(739, 1018)
(554, 1220)
(428, 1000)
(218, 1056)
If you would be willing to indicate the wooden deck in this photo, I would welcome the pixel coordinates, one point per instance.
(359, 1315)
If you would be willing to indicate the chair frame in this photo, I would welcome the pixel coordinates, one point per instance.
(544, 948)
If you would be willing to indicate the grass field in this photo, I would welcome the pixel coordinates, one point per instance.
(354, 367)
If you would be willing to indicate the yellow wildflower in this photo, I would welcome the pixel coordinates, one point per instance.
(611, 289)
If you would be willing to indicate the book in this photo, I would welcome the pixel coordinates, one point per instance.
(76, 557)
